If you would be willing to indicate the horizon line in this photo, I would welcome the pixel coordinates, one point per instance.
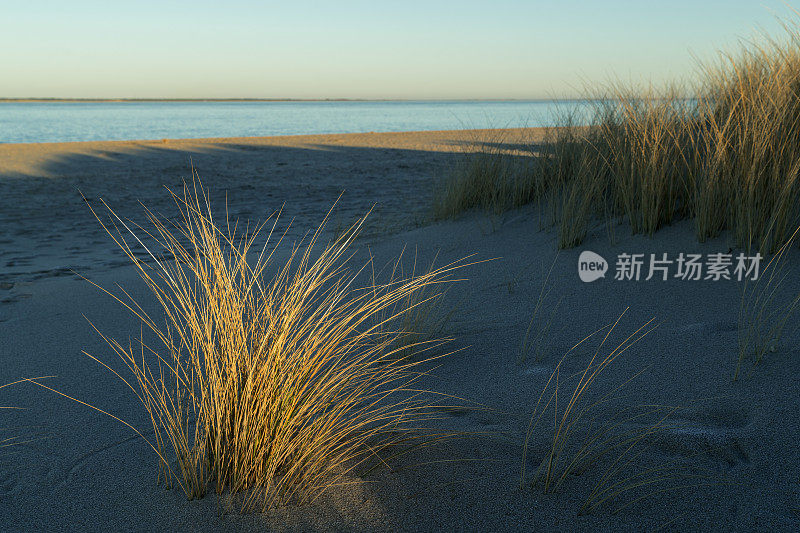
(24, 99)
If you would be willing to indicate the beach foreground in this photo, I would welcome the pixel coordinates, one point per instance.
(738, 443)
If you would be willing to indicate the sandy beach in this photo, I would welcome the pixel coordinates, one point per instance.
(47, 229)
(737, 443)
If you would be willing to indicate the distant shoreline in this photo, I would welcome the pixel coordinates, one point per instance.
(391, 138)
(133, 100)
(100, 100)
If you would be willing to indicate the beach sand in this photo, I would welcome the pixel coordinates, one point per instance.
(81, 470)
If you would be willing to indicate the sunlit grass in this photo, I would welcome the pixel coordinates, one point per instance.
(276, 385)
(723, 151)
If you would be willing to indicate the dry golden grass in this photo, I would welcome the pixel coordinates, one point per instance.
(724, 152)
(421, 316)
(580, 440)
(273, 385)
(491, 175)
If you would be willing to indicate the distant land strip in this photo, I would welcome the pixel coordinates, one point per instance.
(59, 99)
(100, 100)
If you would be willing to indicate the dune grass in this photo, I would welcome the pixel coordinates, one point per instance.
(724, 152)
(558, 462)
(421, 316)
(579, 440)
(273, 385)
(541, 321)
(491, 175)
(765, 311)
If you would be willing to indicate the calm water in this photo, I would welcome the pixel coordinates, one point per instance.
(57, 122)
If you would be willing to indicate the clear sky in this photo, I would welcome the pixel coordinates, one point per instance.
(359, 49)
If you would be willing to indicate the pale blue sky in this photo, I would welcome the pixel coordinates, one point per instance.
(358, 49)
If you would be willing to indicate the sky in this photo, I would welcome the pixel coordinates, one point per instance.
(361, 49)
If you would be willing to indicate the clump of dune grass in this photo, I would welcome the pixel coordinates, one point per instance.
(491, 175)
(723, 151)
(566, 188)
(630, 162)
(271, 381)
(560, 460)
(579, 440)
(765, 310)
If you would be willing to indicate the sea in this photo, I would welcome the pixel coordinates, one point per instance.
(38, 122)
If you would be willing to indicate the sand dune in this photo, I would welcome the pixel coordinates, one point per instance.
(739, 441)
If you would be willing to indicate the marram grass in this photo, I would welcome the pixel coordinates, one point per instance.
(579, 440)
(766, 310)
(273, 384)
(569, 413)
(490, 176)
(723, 151)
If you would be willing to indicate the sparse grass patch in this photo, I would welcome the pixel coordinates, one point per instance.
(765, 310)
(544, 313)
(275, 386)
(561, 460)
(580, 440)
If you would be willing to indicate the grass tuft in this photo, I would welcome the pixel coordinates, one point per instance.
(492, 175)
(580, 440)
(274, 383)
(561, 460)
